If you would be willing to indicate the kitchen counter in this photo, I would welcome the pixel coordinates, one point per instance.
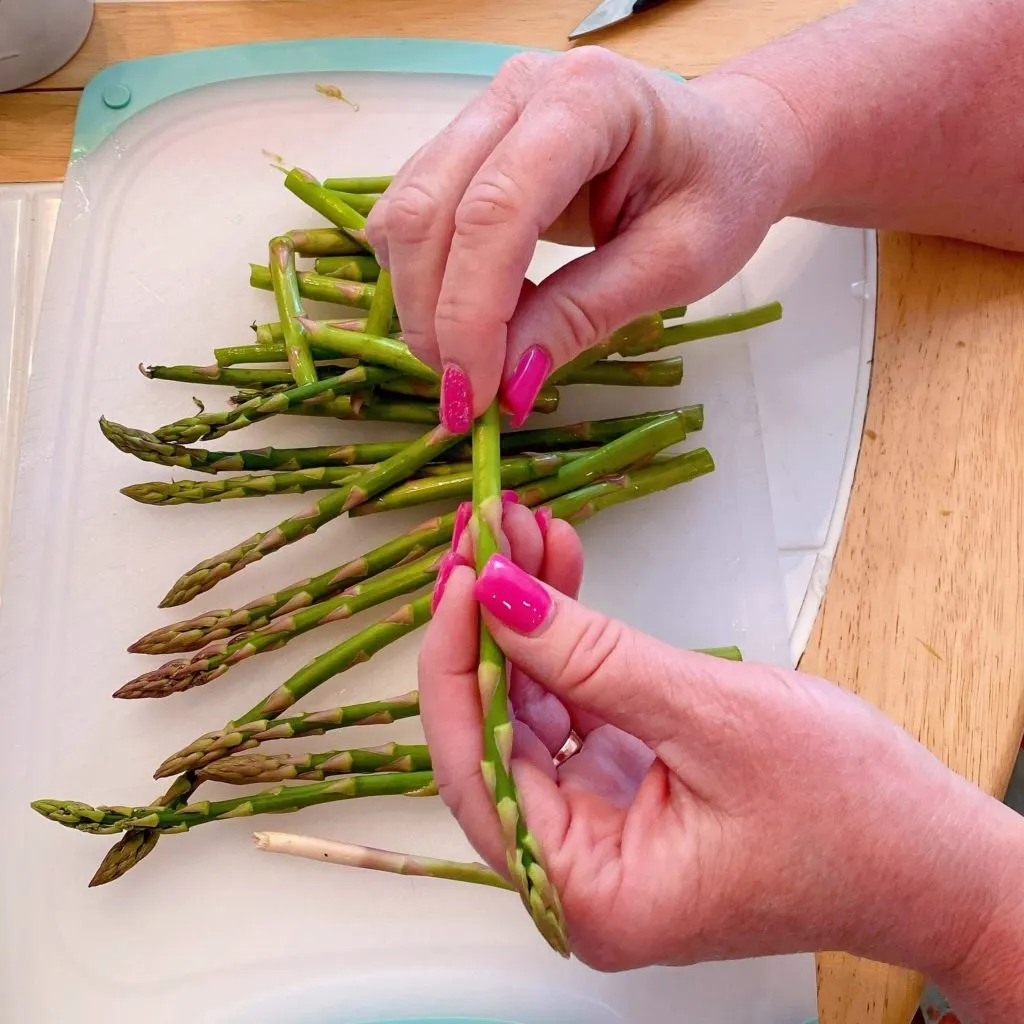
(921, 612)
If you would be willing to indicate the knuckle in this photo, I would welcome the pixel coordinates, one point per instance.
(412, 213)
(518, 68)
(488, 203)
(589, 63)
(582, 326)
(459, 308)
(591, 651)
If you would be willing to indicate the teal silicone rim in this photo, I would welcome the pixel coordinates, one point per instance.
(122, 90)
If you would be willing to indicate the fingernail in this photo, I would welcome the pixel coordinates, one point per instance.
(462, 516)
(444, 570)
(456, 400)
(543, 517)
(512, 596)
(509, 498)
(524, 385)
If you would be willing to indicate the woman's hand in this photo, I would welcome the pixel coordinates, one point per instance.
(675, 183)
(715, 809)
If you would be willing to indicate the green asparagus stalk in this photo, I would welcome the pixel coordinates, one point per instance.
(285, 285)
(374, 480)
(673, 313)
(239, 378)
(350, 855)
(361, 202)
(244, 769)
(360, 185)
(354, 650)
(325, 201)
(327, 335)
(210, 425)
(315, 287)
(522, 851)
(106, 821)
(363, 406)
(448, 486)
(348, 268)
(712, 327)
(382, 308)
(202, 492)
(645, 330)
(654, 373)
(595, 431)
(220, 655)
(545, 402)
(323, 242)
(730, 653)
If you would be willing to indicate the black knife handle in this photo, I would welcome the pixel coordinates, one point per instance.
(646, 5)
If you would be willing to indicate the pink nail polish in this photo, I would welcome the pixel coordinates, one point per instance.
(462, 516)
(445, 568)
(543, 517)
(512, 596)
(456, 400)
(523, 386)
(509, 498)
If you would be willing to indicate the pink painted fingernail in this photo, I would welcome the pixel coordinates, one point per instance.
(456, 400)
(512, 596)
(444, 570)
(509, 498)
(463, 514)
(543, 517)
(524, 385)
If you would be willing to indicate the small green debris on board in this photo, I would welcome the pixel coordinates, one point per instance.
(276, 160)
(931, 650)
(334, 93)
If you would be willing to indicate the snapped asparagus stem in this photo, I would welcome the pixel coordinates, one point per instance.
(323, 242)
(217, 657)
(376, 184)
(524, 857)
(328, 335)
(380, 477)
(361, 202)
(107, 821)
(325, 201)
(351, 855)
(653, 373)
(348, 268)
(244, 769)
(382, 308)
(712, 327)
(317, 288)
(285, 285)
(202, 492)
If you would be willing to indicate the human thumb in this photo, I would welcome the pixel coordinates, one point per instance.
(597, 663)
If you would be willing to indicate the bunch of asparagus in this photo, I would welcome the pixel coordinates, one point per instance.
(358, 368)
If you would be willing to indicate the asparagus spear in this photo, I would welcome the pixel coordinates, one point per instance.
(361, 202)
(378, 184)
(285, 284)
(105, 821)
(239, 378)
(243, 769)
(354, 650)
(354, 856)
(711, 327)
(329, 336)
(545, 402)
(377, 478)
(323, 242)
(514, 473)
(269, 347)
(522, 851)
(382, 308)
(201, 492)
(645, 330)
(220, 655)
(210, 425)
(348, 268)
(654, 373)
(364, 406)
(358, 294)
(325, 201)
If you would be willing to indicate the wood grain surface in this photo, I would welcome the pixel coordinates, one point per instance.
(922, 608)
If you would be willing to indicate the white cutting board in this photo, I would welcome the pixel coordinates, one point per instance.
(156, 226)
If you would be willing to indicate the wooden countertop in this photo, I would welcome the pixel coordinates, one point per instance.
(922, 611)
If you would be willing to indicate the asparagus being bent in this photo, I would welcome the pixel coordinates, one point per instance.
(317, 288)
(107, 821)
(376, 479)
(285, 284)
(325, 201)
(523, 853)
(244, 769)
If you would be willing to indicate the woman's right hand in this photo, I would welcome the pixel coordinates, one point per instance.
(676, 184)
